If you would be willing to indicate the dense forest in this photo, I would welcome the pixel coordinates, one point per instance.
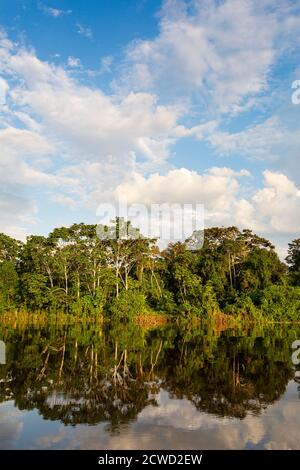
(77, 272)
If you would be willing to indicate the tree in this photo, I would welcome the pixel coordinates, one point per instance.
(10, 249)
(10, 252)
(89, 269)
(39, 256)
(9, 283)
(260, 269)
(125, 250)
(182, 278)
(293, 260)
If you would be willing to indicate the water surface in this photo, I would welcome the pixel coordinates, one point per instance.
(84, 387)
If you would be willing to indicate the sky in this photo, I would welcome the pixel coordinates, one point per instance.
(178, 101)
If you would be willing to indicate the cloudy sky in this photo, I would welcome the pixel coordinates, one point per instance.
(186, 101)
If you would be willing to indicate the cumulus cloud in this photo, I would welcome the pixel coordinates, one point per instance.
(274, 208)
(24, 164)
(278, 204)
(66, 127)
(95, 124)
(86, 146)
(214, 188)
(221, 52)
(23, 157)
(24, 140)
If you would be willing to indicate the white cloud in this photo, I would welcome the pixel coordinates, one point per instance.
(4, 87)
(71, 127)
(84, 31)
(87, 147)
(54, 12)
(272, 209)
(277, 205)
(73, 62)
(25, 141)
(275, 141)
(17, 213)
(22, 153)
(24, 163)
(94, 181)
(258, 141)
(214, 188)
(221, 52)
(95, 125)
(105, 64)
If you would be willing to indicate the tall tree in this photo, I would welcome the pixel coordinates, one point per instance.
(293, 260)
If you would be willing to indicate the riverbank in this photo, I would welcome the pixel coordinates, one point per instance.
(219, 321)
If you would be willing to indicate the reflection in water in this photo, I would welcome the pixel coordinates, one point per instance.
(165, 388)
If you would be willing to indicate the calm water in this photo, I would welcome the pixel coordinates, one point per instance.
(86, 388)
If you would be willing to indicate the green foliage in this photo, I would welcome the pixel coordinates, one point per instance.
(8, 285)
(280, 302)
(293, 260)
(35, 291)
(120, 274)
(244, 308)
(209, 301)
(88, 305)
(10, 249)
(261, 269)
(166, 303)
(127, 305)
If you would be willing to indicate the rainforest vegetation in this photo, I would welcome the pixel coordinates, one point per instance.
(76, 272)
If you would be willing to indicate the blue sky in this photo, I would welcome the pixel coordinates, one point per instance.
(156, 101)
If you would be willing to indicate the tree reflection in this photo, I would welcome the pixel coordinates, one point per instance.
(87, 374)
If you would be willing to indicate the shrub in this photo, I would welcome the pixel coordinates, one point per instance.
(128, 305)
(281, 303)
(243, 307)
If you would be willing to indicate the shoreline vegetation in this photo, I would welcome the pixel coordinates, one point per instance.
(74, 276)
(219, 321)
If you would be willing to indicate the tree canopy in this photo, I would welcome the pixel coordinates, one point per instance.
(116, 272)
